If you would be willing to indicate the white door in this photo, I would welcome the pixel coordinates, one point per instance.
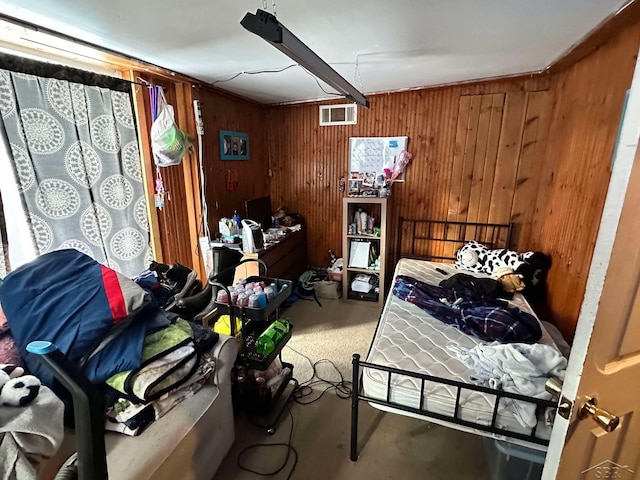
(605, 358)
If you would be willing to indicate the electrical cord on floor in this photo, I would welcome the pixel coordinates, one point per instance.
(342, 388)
(303, 390)
(290, 450)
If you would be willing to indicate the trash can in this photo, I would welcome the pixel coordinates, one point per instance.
(508, 461)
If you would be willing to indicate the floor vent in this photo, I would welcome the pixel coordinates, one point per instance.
(338, 114)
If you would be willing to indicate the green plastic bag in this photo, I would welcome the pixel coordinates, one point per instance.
(168, 143)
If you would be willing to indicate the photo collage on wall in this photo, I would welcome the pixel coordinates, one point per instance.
(234, 145)
(369, 157)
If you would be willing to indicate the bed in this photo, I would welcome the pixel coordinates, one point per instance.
(410, 368)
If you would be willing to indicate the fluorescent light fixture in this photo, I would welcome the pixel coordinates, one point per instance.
(267, 27)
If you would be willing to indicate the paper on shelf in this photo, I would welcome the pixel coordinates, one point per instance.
(359, 254)
(362, 283)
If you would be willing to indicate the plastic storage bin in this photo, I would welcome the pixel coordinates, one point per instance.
(508, 461)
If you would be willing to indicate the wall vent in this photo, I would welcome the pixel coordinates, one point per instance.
(339, 114)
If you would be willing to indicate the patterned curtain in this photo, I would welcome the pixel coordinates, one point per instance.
(77, 167)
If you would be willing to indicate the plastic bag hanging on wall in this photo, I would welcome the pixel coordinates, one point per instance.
(168, 143)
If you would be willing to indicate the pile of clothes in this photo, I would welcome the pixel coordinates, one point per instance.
(516, 368)
(470, 305)
(145, 358)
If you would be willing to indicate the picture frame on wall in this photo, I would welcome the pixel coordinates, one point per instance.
(234, 145)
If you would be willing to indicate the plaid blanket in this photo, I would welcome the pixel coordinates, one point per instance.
(488, 318)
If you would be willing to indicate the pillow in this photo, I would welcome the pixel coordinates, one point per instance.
(476, 257)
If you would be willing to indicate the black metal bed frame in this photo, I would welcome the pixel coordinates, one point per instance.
(491, 235)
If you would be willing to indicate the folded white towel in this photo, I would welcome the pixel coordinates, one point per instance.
(516, 368)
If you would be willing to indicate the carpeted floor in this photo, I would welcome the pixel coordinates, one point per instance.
(390, 446)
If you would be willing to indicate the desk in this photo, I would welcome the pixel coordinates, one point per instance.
(287, 258)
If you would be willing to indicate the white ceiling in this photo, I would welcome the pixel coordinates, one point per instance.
(398, 44)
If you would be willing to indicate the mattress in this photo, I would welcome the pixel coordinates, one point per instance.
(409, 338)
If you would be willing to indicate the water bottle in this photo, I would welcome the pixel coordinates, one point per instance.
(253, 301)
(236, 219)
(275, 332)
(262, 299)
(222, 296)
(269, 293)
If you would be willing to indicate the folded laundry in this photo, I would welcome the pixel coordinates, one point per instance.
(131, 418)
(169, 358)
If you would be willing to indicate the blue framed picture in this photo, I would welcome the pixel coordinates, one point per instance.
(234, 145)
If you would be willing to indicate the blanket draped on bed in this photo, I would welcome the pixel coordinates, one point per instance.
(489, 319)
(516, 368)
(29, 435)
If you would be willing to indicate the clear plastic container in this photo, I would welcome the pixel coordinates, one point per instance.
(268, 291)
(243, 300)
(508, 461)
(253, 301)
(222, 296)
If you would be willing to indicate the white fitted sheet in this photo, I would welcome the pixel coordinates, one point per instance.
(409, 338)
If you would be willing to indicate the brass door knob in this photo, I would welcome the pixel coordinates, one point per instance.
(606, 420)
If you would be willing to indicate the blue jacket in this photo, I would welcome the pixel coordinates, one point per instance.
(69, 299)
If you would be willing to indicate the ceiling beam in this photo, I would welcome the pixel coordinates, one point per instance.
(608, 28)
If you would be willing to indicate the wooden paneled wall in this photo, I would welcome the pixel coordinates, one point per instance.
(178, 225)
(499, 138)
(533, 151)
(466, 142)
(536, 152)
(576, 169)
(221, 112)
(172, 228)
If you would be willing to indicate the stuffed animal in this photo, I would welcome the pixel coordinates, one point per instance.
(286, 219)
(16, 388)
(476, 257)
(510, 281)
